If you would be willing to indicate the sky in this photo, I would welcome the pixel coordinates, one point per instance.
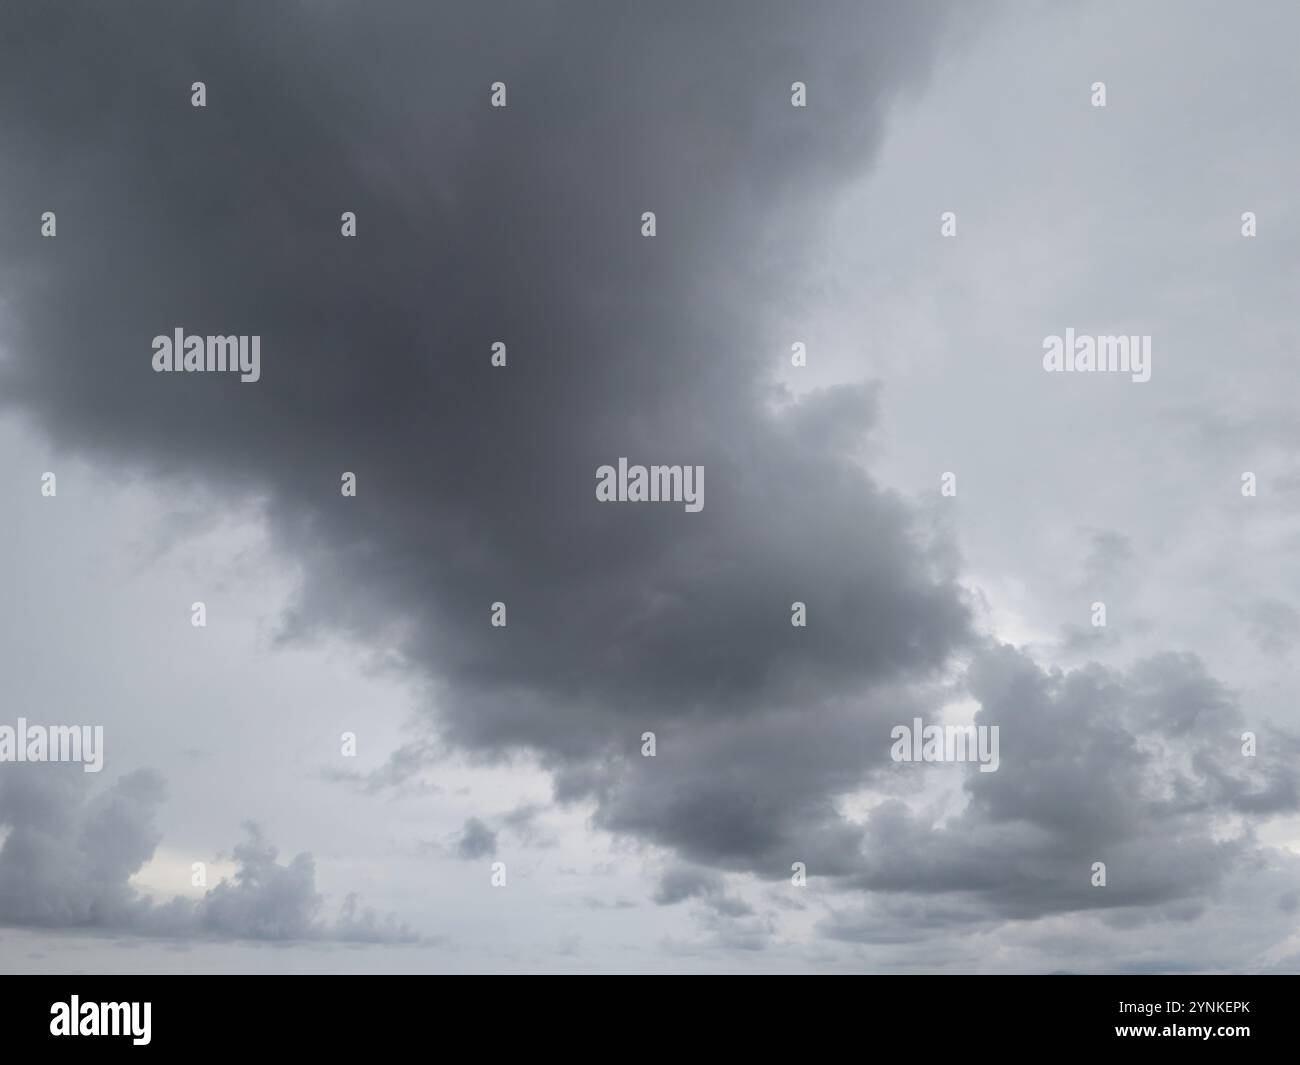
(948, 513)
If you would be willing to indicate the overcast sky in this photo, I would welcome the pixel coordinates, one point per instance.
(522, 744)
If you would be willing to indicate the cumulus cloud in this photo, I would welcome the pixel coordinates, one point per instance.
(473, 483)
(476, 484)
(1142, 769)
(68, 858)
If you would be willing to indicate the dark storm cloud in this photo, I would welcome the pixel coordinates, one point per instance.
(522, 224)
(68, 857)
(1141, 769)
(477, 484)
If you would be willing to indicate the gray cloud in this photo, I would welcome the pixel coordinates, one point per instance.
(728, 921)
(68, 858)
(476, 840)
(1141, 769)
(1274, 625)
(66, 862)
(476, 484)
(1109, 553)
(684, 882)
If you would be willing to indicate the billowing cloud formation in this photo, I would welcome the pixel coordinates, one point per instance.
(1145, 771)
(67, 861)
(523, 224)
(476, 484)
